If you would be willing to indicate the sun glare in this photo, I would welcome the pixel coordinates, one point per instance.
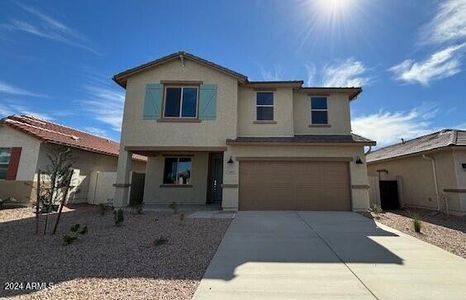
(332, 20)
(333, 8)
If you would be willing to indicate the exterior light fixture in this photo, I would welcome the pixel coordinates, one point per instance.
(358, 160)
(230, 161)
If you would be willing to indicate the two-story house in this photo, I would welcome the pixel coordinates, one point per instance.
(213, 136)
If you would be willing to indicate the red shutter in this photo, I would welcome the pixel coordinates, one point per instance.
(14, 162)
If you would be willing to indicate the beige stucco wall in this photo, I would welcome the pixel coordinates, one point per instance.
(29, 153)
(358, 172)
(283, 113)
(338, 114)
(85, 164)
(417, 179)
(459, 159)
(136, 131)
(154, 193)
(21, 188)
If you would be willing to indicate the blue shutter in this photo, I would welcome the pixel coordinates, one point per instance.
(208, 102)
(153, 101)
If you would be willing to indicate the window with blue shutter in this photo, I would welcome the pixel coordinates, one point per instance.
(152, 101)
(208, 102)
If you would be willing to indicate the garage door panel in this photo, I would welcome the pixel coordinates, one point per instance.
(293, 185)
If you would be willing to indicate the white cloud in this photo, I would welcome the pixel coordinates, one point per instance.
(6, 88)
(448, 25)
(96, 131)
(349, 73)
(272, 75)
(389, 127)
(8, 109)
(106, 104)
(311, 74)
(442, 64)
(49, 28)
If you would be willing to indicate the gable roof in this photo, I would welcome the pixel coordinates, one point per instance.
(437, 140)
(50, 132)
(122, 77)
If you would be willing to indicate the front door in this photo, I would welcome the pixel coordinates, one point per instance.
(137, 188)
(215, 180)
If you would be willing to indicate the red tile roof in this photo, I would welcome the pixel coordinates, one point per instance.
(50, 132)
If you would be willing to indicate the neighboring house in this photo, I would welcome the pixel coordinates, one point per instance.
(427, 172)
(25, 142)
(213, 136)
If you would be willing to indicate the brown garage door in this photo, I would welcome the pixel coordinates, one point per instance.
(294, 185)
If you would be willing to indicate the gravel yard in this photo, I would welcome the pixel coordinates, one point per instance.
(446, 232)
(109, 262)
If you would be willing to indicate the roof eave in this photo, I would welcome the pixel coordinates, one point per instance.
(122, 77)
(265, 143)
(433, 150)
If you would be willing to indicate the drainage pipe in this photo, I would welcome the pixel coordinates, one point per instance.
(434, 172)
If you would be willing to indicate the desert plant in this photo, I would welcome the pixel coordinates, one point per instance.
(160, 241)
(182, 218)
(118, 216)
(84, 230)
(74, 233)
(102, 209)
(377, 210)
(174, 207)
(69, 238)
(75, 228)
(417, 223)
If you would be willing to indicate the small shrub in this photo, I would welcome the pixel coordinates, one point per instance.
(84, 230)
(182, 218)
(69, 238)
(174, 207)
(417, 224)
(377, 210)
(160, 241)
(74, 233)
(75, 228)
(102, 209)
(118, 215)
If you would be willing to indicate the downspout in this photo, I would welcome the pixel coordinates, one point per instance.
(434, 172)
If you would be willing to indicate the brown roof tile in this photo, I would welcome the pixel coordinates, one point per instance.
(433, 141)
(58, 134)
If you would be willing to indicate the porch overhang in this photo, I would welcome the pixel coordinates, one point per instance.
(157, 150)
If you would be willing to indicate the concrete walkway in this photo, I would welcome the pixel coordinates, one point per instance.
(330, 255)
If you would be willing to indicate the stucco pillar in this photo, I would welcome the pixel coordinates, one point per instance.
(230, 201)
(125, 162)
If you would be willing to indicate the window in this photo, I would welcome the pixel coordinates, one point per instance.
(319, 110)
(5, 154)
(264, 106)
(180, 102)
(177, 170)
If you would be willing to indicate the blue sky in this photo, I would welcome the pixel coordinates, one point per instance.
(57, 57)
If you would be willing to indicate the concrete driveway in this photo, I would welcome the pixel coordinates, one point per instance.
(331, 255)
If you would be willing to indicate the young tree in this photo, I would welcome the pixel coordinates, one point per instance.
(53, 188)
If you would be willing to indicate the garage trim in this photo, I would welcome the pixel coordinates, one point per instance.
(286, 158)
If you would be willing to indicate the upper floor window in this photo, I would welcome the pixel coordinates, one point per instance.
(177, 170)
(319, 110)
(264, 106)
(180, 102)
(5, 154)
